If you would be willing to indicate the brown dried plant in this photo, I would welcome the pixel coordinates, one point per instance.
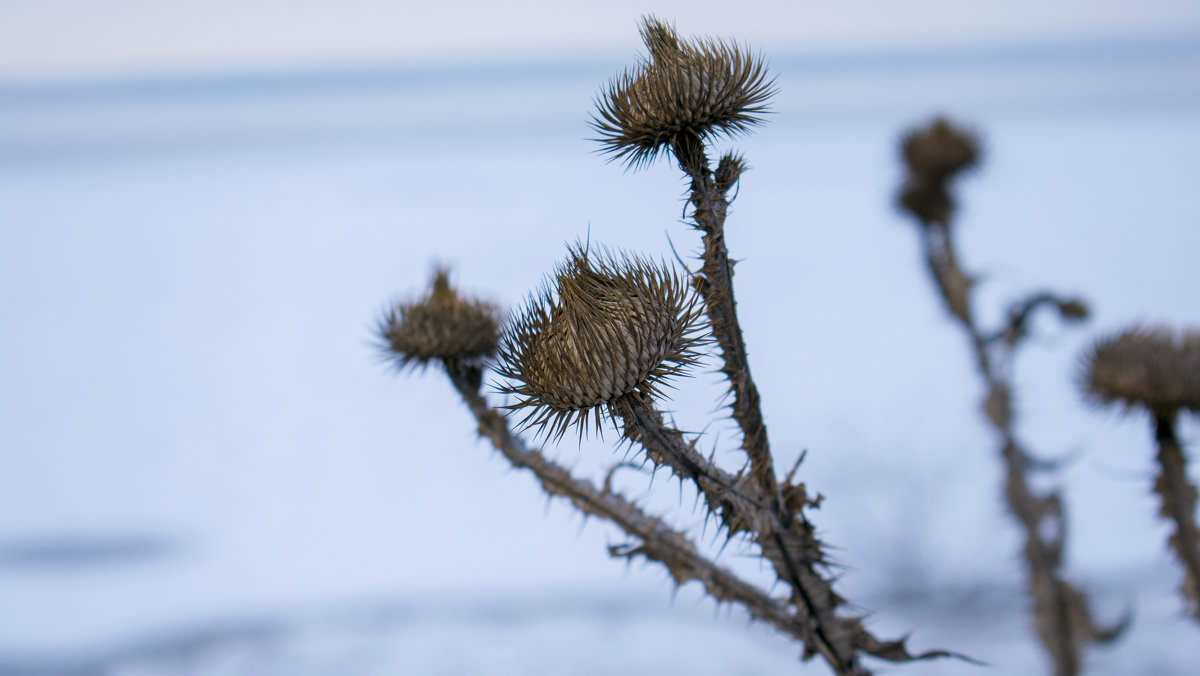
(1157, 369)
(608, 330)
(934, 155)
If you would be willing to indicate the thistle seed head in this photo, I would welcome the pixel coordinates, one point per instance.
(934, 154)
(612, 326)
(939, 150)
(1155, 368)
(683, 94)
(439, 326)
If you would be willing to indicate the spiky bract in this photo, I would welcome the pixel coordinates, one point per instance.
(935, 154)
(684, 93)
(1155, 368)
(440, 326)
(612, 326)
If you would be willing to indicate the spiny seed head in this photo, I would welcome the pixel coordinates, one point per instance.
(939, 149)
(1155, 368)
(934, 154)
(439, 326)
(612, 325)
(684, 93)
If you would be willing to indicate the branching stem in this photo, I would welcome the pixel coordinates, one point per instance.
(658, 541)
(1063, 619)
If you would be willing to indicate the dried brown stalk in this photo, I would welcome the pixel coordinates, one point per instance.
(1179, 505)
(783, 533)
(934, 155)
(608, 329)
(791, 547)
(658, 542)
(685, 93)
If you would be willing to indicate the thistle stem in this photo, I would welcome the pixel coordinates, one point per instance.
(715, 284)
(791, 546)
(785, 538)
(1179, 505)
(659, 542)
(1062, 618)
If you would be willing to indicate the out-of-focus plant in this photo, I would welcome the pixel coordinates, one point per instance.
(935, 155)
(1157, 370)
(608, 329)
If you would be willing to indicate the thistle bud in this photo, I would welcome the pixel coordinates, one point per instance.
(440, 326)
(1154, 368)
(729, 170)
(933, 155)
(613, 326)
(939, 150)
(684, 93)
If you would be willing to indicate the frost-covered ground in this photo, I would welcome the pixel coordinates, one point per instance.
(205, 469)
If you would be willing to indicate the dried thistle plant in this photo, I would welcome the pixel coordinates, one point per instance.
(935, 155)
(1157, 369)
(609, 330)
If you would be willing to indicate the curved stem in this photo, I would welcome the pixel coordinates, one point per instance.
(1061, 613)
(791, 546)
(659, 542)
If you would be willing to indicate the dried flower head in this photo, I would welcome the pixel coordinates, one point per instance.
(440, 326)
(939, 150)
(729, 170)
(1154, 368)
(614, 325)
(683, 94)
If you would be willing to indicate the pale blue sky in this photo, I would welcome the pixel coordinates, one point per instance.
(88, 38)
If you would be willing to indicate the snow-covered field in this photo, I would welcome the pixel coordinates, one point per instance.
(204, 468)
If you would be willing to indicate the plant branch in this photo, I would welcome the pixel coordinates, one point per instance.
(658, 541)
(1016, 328)
(790, 546)
(1063, 620)
(715, 284)
(1179, 505)
(772, 513)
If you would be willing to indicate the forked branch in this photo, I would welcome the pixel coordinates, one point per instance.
(934, 155)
